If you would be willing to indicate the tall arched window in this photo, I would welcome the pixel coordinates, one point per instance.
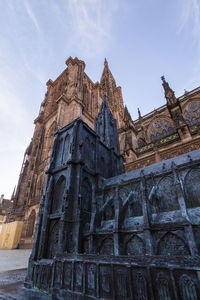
(31, 224)
(58, 192)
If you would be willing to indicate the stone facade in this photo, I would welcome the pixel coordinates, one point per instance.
(169, 131)
(5, 206)
(105, 234)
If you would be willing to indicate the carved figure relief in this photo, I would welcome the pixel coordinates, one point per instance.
(58, 193)
(141, 287)
(78, 277)
(173, 245)
(192, 188)
(187, 288)
(57, 274)
(191, 113)
(135, 246)
(163, 287)
(105, 281)
(90, 279)
(67, 275)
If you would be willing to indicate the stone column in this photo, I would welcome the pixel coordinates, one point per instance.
(116, 222)
(146, 224)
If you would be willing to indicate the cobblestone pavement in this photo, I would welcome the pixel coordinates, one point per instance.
(13, 267)
(12, 287)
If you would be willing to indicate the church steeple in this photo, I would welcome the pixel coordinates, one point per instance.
(106, 126)
(108, 84)
(107, 75)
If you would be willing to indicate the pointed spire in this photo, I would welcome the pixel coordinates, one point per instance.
(106, 126)
(106, 75)
(13, 193)
(127, 116)
(104, 105)
(169, 93)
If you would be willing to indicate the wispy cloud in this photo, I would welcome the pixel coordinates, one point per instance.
(31, 14)
(190, 20)
(190, 14)
(92, 21)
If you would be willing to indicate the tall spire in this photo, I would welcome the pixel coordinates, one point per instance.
(169, 93)
(107, 75)
(106, 127)
(108, 84)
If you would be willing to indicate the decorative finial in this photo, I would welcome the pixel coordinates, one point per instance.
(139, 113)
(163, 78)
(105, 62)
(169, 93)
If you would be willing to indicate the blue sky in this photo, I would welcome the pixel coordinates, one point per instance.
(141, 39)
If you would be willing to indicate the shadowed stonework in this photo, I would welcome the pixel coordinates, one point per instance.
(105, 234)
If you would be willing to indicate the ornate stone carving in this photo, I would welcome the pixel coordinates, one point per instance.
(141, 292)
(163, 287)
(173, 245)
(187, 288)
(91, 279)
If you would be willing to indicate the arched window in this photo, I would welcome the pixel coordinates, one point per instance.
(160, 128)
(86, 195)
(58, 192)
(31, 224)
(107, 247)
(191, 113)
(135, 246)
